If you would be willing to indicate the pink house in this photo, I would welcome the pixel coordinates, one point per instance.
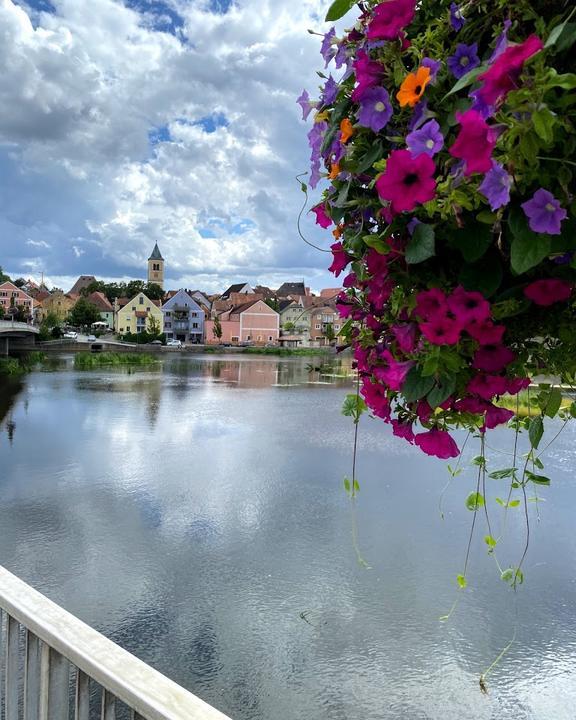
(253, 322)
(12, 297)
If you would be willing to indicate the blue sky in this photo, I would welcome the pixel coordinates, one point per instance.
(170, 121)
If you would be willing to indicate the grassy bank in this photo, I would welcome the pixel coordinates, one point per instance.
(288, 351)
(14, 367)
(87, 361)
(525, 403)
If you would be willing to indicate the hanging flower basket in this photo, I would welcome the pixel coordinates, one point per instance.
(447, 141)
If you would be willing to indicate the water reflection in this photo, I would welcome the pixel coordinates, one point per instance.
(9, 391)
(195, 514)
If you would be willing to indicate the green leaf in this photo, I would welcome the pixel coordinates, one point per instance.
(372, 156)
(507, 575)
(528, 250)
(444, 387)
(567, 38)
(490, 541)
(376, 242)
(487, 217)
(356, 486)
(558, 31)
(421, 245)
(479, 460)
(544, 121)
(347, 485)
(513, 503)
(501, 474)
(466, 80)
(536, 430)
(573, 410)
(485, 276)
(475, 501)
(338, 9)
(538, 479)
(353, 406)
(473, 241)
(553, 402)
(566, 81)
(462, 582)
(416, 386)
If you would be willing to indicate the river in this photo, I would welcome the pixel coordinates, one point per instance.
(195, 514)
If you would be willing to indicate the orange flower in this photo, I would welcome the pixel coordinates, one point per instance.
(413, 87)
(346, 130)
(334, 171)
(338, 231)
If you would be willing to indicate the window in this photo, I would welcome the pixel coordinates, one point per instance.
(318, 317)
(195, 325)
(270, 338)
(336, 327)
(194, 314)
(168, 314)
(147, 309)
(234, 339)
(141, 300)
(133, 308)
(248, 337)
(318, 327)
(168, 325)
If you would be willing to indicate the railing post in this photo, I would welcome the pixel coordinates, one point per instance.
(108, 706)
(32, 677)
(82, 708)
(11, 669)
(54, 679)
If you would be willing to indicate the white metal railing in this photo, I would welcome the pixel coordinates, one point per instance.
(44, 647)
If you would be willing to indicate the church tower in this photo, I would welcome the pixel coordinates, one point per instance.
(156, 267)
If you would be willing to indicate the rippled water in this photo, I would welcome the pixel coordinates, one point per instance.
(196, 515)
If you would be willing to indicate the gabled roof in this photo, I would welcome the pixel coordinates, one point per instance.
(156, 254)
(234, 289)
(291, 288)
(101, 301)
(283, 304)
(82, 282)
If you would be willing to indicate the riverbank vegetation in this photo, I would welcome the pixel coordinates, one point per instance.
(15, 367)
(87, 361)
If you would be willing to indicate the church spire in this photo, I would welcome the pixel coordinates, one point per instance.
(156, 254)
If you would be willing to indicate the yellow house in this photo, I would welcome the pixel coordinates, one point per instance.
(58, 304)
(140, 314)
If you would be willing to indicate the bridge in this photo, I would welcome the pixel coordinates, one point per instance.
(16, 333)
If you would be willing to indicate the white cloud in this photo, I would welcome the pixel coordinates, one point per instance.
(82, 89)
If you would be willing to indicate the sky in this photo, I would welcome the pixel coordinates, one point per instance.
(129, 122)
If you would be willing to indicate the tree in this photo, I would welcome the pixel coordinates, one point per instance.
(217, 329)
(289, 326)
(153, 326)
(153, 291)
(50, 327)
(3, 276)
(329, 333)
(84, 313)
(1, 312)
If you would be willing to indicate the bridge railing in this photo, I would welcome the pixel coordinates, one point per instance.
(45, 648)
(12, 325)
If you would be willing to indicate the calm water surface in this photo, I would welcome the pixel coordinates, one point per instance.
(195, 514)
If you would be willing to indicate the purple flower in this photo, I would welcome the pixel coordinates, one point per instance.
(481, 106)
(433, 65)
(418, 116)
(544, 213)
(464, 59)
(496, 186)
(305, 104)
(327, 50)
(330, 91)
(501, 42)
(428, 139)
(315, 140)
(375, 109)
(315, 174)
(457, 20)
(341, 56)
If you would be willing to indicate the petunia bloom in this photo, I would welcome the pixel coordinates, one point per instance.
(496, 186)
(437, 442)
(493, 358)
(346, 130)
(375, 396)
(503, 75)
(496, 416)
(464, 59)
(390, 18)
(413, 87)
(368, 73)
(485, 332)
(457, 20)
(548, 292)
(405, 336)
(407, 181)
(403, 430)
(433, 65)
(322, 218)
(327, 49)
(468, 306)
(544, 213)
(475, 143)
(516, 384)
(488, 386)
(428, 139)
(394, 375)
(375, 109)
(340, 259)
(306, 104)
(430, 303)
(441, 330)
(330, 92)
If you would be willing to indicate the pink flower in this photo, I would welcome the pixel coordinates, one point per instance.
(403, 430)
(516, 384)
(475, 143)
(375, 397)
(405, 336)
(395, 374)
(322, 218)
(350, 280)
(379, 291)
(377, 263)
(368, 74)
(471, 405)
(488, 386)
(548, 292)
(441, 330)
(505, 71)
(341, 259)
(390, 18)
(424, 411)
(496, 416)
(486, 332)
(437, 442)
(493, 358)
(407, 181)
(468, 307)
(430, 303)
(361, 356)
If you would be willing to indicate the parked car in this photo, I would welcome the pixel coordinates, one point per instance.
(174, 343)
(70, 335)
(91, 338)
(156, 342)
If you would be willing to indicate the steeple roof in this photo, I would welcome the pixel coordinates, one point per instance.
(156, 254)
